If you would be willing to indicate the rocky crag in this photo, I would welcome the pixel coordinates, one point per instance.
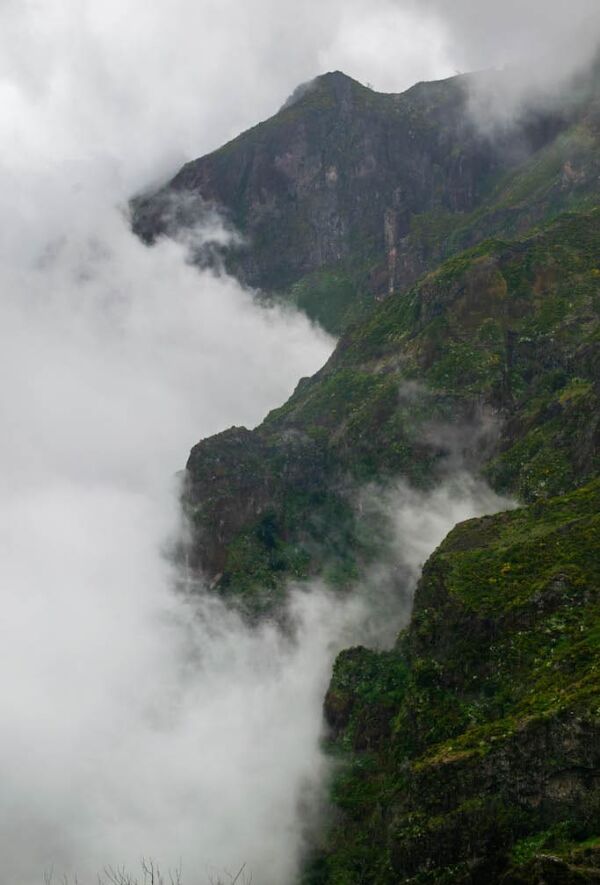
(462, 269)
(348, 194)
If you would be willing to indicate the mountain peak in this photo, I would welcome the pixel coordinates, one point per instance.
(335, 77)
(334, 83)
(337, 82)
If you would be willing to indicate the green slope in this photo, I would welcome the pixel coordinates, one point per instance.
(475, 744)
(494, 357)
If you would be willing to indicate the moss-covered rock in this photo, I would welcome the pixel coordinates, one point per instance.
(478, 738)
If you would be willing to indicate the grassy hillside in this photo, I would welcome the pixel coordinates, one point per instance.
(474, 747)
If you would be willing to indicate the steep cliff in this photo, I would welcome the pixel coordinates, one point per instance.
(471, 752)
(469, 300)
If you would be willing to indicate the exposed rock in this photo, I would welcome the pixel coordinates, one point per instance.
(336, 180)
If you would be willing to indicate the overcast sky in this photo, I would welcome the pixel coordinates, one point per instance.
(148, 84)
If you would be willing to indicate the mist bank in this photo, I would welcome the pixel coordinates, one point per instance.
(115, 358)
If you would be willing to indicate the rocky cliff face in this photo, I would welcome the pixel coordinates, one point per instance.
(339, 195)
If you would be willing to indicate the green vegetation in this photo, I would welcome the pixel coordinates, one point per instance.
(283, 547)
(503, 340)
(516, 324)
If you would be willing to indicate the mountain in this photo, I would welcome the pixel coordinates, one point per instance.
(345, 194)
(461, 266)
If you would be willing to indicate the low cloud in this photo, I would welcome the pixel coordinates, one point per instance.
(133, 725)
(412, 523)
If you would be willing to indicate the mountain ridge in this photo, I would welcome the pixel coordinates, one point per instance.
(325, 191)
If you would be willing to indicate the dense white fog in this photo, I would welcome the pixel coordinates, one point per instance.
(115, 359)
(134, 724)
